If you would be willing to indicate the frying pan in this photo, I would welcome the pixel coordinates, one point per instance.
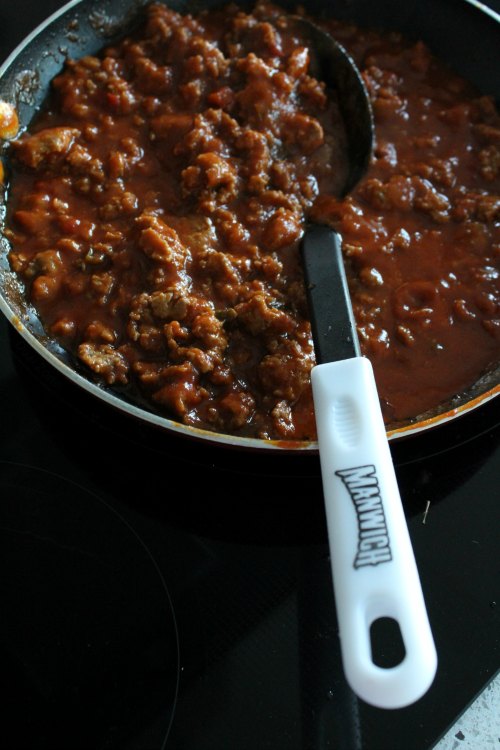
(466, 34)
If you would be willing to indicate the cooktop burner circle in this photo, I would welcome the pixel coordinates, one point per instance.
(89, 653)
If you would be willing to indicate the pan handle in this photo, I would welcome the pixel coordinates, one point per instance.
(373, 565)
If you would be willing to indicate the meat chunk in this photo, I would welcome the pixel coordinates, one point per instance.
(172, 126)
(303, 131)
(212, 177)
(46, 147)
(285, 374)
(105, 361)
(162, 244)
(283, 228)
(180, 392)
(257, 316)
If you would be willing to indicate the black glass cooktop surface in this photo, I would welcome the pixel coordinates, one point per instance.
(161, 594)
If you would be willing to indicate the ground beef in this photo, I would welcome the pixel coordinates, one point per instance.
(158, 201)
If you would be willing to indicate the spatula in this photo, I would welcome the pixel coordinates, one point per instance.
(374, 571)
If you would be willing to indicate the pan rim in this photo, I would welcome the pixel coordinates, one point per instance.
(258, 445)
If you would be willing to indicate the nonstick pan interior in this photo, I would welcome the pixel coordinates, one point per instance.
(85, 26)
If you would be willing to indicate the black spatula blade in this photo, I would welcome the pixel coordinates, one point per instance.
(332, 319)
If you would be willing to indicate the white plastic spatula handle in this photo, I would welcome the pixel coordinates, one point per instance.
(373, 566)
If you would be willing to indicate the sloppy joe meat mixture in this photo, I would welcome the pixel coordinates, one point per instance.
(158, 201)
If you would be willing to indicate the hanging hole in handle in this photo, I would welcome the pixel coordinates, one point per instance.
(387, 645)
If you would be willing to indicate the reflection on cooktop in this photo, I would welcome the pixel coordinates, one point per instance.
(88, 639)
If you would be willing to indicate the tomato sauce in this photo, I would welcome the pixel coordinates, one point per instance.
(158, 201)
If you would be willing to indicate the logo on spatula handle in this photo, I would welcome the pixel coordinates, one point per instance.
(373, 537)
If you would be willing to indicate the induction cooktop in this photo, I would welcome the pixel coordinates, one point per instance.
(158, 593)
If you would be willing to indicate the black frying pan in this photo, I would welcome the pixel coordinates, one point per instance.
(465, 34)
